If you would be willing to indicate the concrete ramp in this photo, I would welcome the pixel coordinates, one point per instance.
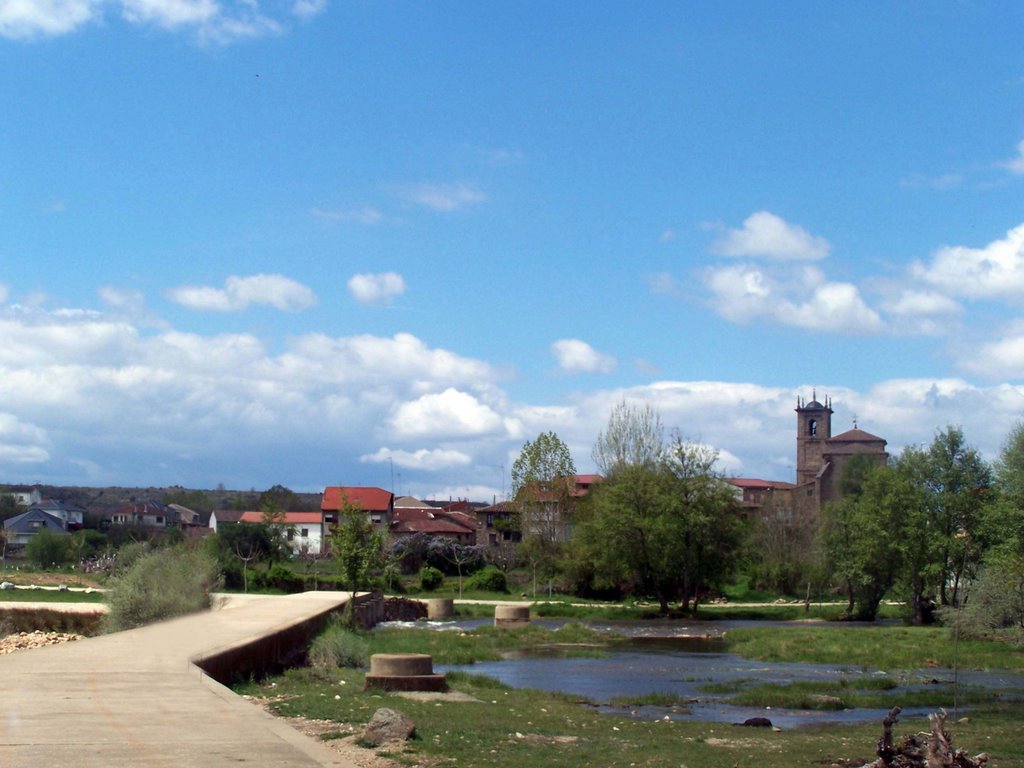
(141, 698)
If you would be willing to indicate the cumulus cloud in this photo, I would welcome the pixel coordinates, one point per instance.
(451, 413)
(993, 271)
(1016, 164)
(804, 299)
(41, 18)
(766, 235)
(1001, 357)
(444, 198)
(240, 293)
(575, 356)
(215, 21)
(21, 443)
(379, 288)
(423, 458)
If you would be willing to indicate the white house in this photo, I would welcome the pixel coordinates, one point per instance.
(304, 531)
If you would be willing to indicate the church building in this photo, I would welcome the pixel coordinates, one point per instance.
(820, 462)
(821, 458)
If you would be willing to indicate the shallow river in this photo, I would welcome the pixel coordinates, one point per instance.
(659, 657)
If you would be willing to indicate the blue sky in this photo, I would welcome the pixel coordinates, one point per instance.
(306, 242)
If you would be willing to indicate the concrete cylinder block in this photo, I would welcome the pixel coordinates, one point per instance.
(511, 616)
(440, 608)
(404, 672)
(401, 664)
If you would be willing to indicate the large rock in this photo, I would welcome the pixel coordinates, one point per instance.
(388, 725)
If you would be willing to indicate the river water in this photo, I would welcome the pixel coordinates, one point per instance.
(680, 658)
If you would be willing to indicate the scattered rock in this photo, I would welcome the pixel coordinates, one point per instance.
(7, 585)
(757, 722)
(24, 640)
(388, 725)
(62, 588)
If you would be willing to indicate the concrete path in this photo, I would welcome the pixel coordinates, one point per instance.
(136, 698)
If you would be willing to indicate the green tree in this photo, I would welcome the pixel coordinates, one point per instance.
(957, 486)
(663, 523)
(543, 491)
(280, 497)
(47, 549)
(190, 499)
(9, 506)
(869, 541)
(358, 547)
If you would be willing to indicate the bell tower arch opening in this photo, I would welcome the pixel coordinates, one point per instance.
(813, 429)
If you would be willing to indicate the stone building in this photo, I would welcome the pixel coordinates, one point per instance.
(821, 458)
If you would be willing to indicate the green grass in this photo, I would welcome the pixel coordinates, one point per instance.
(885, 648)
(847, 693)
(509, 728)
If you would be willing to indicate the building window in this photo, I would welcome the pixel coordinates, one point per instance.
(159, 520)
(812, 427)
(305, 533)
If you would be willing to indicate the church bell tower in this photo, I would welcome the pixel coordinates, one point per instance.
(813, 429)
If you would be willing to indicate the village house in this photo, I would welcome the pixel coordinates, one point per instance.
(378, 504)
(412, 516)
(143, 514)
(20, 529)
(304, 531)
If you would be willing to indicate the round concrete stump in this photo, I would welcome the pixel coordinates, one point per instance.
(404, 672)
(440, 608)
(511, 616)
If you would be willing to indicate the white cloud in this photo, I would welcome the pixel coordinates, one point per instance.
(365, 215)
(803, 299)
(1016, 164)
(170, 13)
(4, 293)
(39, 18)
(911, 302)
(213, 21)
(444, 198)
(127, 301)
(380, 288)
(21, 443)
(667, 236)
(993, 271)
(431, 460)
(307, 9)
(451, 413)
(994, 358)
(766, 235)
(239, 293)
(575, 356)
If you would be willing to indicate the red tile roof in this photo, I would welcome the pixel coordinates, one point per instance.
(856, 436)
(368, 498)
(751, 482)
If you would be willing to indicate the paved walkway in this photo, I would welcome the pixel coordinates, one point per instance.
(136, 699)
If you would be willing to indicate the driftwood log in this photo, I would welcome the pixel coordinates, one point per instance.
(922, 750)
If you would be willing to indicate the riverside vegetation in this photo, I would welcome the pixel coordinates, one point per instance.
(507, 726)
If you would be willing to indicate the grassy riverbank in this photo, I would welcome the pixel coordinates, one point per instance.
(512, 727)
(884, 648)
